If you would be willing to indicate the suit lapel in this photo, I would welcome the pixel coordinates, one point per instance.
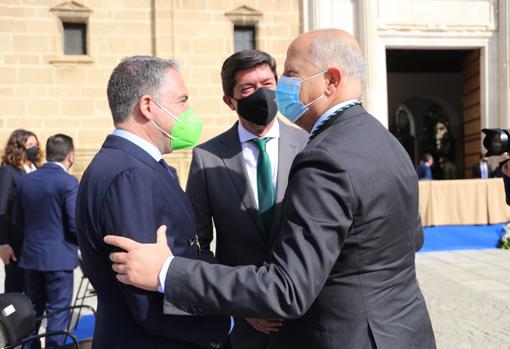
(232, 155)
(287, 149)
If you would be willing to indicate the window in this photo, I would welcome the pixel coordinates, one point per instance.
(72, 45)
(75, 38)
(244, 38)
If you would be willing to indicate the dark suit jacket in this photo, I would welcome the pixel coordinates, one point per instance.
(124, 191)
(344, 262)
(220, 192)
(9, 233)
(44, 209)
(477, 171)
(424, 172)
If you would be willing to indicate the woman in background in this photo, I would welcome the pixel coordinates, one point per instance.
(20, 156)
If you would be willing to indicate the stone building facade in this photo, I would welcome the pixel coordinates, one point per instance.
(45, 90)
(429, 59)
(435, 67)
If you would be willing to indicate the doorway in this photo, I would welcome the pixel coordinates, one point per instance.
(434, 107)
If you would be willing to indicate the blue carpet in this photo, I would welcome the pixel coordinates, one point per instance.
(462, 237)
(84, 329)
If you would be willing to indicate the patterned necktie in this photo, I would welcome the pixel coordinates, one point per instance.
(265, 190)
(330, 117)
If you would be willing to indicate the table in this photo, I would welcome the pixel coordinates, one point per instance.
(463, 202)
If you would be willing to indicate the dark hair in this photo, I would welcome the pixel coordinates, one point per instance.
(134, 77)
(240, 61)
(426, 157)
(58, 146)
(14, 152)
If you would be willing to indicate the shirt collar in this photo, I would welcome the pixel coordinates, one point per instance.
(245, 135)
(330, 112)
(139, 141)
(59, 164)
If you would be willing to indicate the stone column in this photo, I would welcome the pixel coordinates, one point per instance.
(504, 64)
(375, 98)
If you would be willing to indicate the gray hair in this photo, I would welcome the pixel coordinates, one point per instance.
(134, 77)
(328, 51)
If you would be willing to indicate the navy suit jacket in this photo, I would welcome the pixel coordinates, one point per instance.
(124, 191)
(44, 209)
(424, 172)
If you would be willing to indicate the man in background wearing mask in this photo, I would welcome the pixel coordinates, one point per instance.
(44, 210)
(343, 267)
(237, 180)
(129, 190)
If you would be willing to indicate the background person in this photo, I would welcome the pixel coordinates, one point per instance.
(20, 153)
(238, 188)
(482, 169)
(44, 211)
(424, 170)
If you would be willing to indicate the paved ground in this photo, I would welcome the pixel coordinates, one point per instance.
(468, 297)
(467, 293)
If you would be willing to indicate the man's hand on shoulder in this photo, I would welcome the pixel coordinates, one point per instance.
(140, 264)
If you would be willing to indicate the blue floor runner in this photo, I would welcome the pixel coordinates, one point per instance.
(84, 329)
(461, 237)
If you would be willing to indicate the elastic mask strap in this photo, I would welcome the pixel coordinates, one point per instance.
(315, 100)
(164, 132)
(166, 110)
(311, 77)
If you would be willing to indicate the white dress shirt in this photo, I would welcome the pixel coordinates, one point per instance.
(59, 164)
(147, 146)
(251, 154)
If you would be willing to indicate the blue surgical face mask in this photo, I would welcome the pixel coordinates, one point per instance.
(287, 95)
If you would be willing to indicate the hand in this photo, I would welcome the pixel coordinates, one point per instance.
(141, 264)
(6, 253)
(265, 326)
(506, 168)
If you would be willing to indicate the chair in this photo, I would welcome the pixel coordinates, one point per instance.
(17, 321)
(84, 291)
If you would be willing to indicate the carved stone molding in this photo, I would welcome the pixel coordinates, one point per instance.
(71, 11)
(244, 15)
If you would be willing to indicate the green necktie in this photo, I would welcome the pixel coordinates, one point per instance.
(265, 190)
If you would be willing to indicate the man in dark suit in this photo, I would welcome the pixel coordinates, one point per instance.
(482, 169)
(424, 170)
(44, 210)
(222, 184)
(343, 266)
(128, 189)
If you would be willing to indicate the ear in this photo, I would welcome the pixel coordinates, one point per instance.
(145, 107)
(228, 101)
(334, 80)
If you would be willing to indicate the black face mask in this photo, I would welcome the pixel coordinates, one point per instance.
(32, 153)
(259, 107)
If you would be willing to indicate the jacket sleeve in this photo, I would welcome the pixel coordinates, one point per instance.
(6, 187)
(196, 188)
(318, 214)
(130, 209)
(18, 219)
(70, 207)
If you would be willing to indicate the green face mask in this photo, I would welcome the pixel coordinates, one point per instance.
(186, 129)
